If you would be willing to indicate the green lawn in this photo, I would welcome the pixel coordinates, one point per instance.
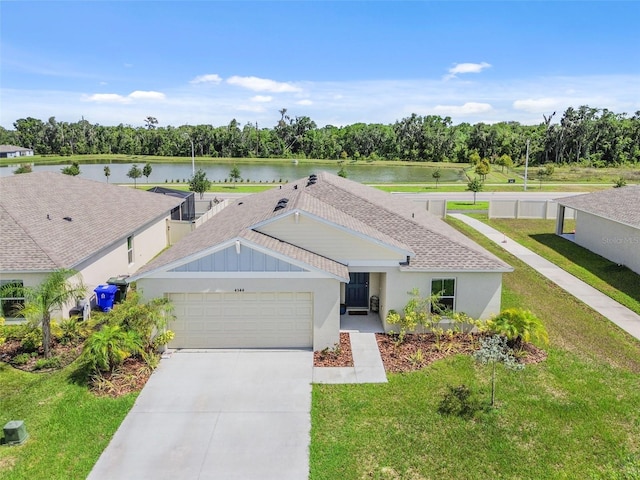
(620, 283)
(460, 205)
(572, 416)
(68, 427)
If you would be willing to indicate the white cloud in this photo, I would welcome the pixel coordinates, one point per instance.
(469, 108)
(208, 78)
(304, 102)
(262, 98)
(117, 98)
(149, 95)
(262, 84)
(106, 98)
(459, 68)
(537, 105)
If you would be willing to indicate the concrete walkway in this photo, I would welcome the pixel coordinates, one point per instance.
(626, 319)
(367, 363)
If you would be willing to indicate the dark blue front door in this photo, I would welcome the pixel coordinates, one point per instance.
(357, 290)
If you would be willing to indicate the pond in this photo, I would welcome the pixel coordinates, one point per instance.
(257, 172)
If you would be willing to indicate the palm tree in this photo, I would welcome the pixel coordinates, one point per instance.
(54, 293)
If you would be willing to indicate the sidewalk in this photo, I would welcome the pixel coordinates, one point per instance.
(623, 317)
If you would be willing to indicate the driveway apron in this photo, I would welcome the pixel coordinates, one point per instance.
(217, 414)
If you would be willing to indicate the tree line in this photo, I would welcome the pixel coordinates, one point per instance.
(586, 135)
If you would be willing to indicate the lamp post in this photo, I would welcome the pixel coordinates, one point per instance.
(526, 166)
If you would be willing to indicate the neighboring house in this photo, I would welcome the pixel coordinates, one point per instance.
(607, 223)
(50, 221)
(187, 209)
(273, 269)
(11, 151)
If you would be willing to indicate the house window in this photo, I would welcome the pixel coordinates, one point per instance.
(130, 249)
(11, 298)
(445, 289)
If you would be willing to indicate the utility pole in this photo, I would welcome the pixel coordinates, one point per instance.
(526, 166)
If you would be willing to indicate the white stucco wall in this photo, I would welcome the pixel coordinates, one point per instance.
(477, 294)
(109, 262)
(612, 240)
(326, 296)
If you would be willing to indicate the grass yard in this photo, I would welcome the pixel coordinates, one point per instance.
(619, 283)
(460, 205)
(68, 426)
(573, 416)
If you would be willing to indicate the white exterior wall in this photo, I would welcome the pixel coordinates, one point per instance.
(616, 242)
(327, 240)
(107, 263)
(326, 297)
(477, 294)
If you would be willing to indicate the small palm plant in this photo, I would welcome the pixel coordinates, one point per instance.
(518, 326)
(108, 348)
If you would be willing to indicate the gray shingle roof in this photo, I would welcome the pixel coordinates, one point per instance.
(395, 221)
(101, 214)
(618, 204)
(13, 148)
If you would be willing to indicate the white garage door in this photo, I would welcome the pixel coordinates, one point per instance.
(242, 320)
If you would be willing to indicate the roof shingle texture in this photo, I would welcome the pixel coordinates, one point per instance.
(395, 221)
(618, 204)
(35, 236)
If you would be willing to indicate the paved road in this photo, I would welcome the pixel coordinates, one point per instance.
(217, 414)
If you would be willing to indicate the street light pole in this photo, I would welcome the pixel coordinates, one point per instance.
(526, 166)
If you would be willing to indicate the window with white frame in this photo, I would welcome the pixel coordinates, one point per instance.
(130, 249)
(11, 298)
(445, 289)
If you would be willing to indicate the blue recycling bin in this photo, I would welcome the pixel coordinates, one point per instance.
(106, 296)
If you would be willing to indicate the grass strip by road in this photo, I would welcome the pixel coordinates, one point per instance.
(572, 416)
(68, 426)
(618, 282)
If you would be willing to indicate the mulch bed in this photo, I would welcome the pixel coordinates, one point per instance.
(403, 357)
(66, 353)
(337, 357)
(129, 377)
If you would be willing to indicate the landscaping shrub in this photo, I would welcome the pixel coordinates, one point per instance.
(518, 326)
(459, 401)
(44, 363)
(32, 340)
(106, 349)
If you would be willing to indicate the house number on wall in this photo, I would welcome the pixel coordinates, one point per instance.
(239, 290)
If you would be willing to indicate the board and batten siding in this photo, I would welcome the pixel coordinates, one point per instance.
(327, 240)
(228, 260)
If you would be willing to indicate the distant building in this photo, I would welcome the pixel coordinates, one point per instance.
(12, 151)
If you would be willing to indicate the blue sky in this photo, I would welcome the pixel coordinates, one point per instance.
(338, 63)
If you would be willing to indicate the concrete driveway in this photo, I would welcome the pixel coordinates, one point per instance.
(217, 414)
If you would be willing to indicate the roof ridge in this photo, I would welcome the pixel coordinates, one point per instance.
(459, 238)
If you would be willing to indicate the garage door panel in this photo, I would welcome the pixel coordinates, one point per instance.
(242, 319)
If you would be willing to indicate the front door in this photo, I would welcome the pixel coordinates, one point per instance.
(357, 290)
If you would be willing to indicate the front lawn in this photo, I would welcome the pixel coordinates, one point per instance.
(68, 426)
(572, 416)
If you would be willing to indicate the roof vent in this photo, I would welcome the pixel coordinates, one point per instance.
(313, 178)
(68, 219)
(281, 204)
